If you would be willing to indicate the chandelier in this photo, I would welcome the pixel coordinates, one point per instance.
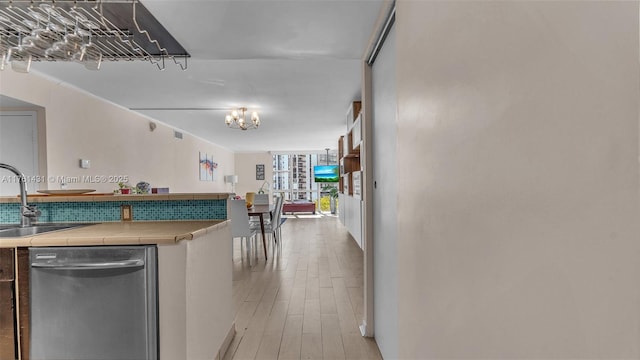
(236, 119)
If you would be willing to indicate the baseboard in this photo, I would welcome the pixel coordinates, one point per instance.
(227, 341)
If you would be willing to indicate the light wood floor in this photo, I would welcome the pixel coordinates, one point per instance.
(305, 302)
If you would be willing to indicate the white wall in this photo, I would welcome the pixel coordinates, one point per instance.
(116, 140)
(245, 166)
(518, 164)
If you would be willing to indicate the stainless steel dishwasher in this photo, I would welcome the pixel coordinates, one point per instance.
(94, 303)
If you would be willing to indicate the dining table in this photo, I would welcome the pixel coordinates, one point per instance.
(259, 211)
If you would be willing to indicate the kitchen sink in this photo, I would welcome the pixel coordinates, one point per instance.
(15, 230)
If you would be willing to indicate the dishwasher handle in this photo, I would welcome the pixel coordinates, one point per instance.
(90, 265)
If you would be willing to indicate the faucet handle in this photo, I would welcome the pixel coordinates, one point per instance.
(31, 211)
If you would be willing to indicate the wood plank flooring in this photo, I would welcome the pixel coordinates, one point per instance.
(306, 301)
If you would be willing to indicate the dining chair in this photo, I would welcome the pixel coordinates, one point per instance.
(277, 221)
(240, 225)
(271, 227)
(261, 199)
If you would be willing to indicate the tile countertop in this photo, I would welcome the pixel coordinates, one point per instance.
(41, 198)
(120, 233)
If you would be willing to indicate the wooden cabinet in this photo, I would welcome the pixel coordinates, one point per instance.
(352, 172)
(14, 295)
(7, 305)
(7, 321)
(352, 113)
(6, 265)
(341, 164)
(346, 144)
(346, 184)
(351, 164)
(356, 135)
(356, 184)
(23, 320)
(349, 148)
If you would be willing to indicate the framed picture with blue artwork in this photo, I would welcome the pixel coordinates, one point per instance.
(207, 167)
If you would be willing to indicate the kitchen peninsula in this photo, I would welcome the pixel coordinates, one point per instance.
(194, 267)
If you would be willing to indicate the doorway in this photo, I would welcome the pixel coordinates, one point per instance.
(19, 148)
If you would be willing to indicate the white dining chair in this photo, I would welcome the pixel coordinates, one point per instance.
(272, 227)
(277, 221)
(261, 199)
(240, 225)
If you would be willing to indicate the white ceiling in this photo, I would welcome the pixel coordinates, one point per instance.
(298, 62)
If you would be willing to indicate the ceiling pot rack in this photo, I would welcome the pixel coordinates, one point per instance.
(164, 51)
(87, 32)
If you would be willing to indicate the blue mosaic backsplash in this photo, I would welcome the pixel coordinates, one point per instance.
(104, 211)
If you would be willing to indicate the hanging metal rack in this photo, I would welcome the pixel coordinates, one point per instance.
(86, 31)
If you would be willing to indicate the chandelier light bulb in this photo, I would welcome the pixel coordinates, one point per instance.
(234, 114)
(228, 119)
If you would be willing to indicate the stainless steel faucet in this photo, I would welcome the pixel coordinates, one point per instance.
(27, 213)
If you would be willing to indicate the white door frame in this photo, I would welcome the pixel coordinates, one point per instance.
(383, 26)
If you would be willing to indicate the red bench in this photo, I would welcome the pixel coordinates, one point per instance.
(299, 206)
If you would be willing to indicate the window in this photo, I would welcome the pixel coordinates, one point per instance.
(293, 174)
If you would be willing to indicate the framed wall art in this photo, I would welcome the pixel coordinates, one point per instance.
(259, 171)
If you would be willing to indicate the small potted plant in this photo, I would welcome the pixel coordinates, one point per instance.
(333, 197)
(123, 189)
